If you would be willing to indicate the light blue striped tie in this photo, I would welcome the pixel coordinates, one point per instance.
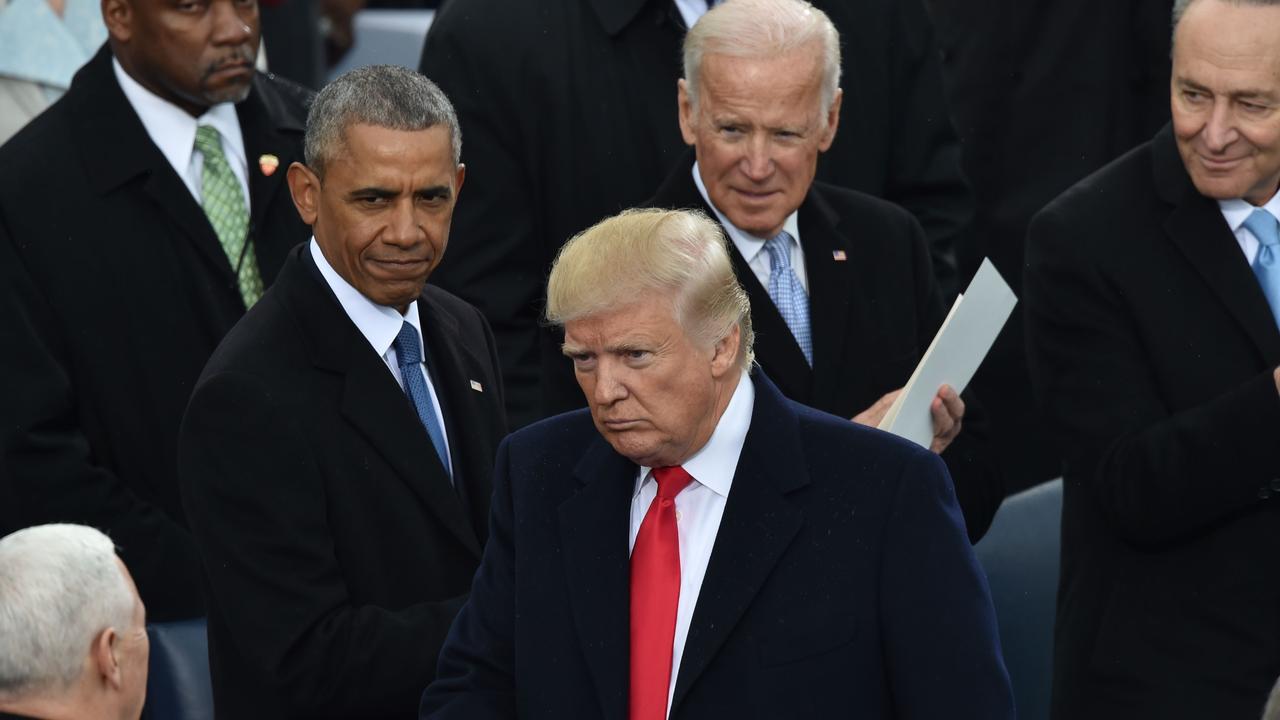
(1266, 266)
(409, 358)
(788, 294)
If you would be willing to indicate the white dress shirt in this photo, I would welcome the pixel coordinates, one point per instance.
(1236, 211)
(380, 325)
(699, 507)
(691, 10)
(173, 130)
(752, 247)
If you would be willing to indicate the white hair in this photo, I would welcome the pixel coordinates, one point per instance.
(60, 587)
(763, 29)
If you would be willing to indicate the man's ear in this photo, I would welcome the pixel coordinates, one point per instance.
(833, 121)
(726, 352)
(304, 186)
(457, 184)
(103, 656)
(118, 16)
(685, 105)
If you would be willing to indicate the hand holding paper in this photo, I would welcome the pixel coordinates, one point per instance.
(953, 357)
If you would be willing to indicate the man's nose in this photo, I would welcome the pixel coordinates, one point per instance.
(229, 26)
(1220, 129)
(403, 228)
(610, 386)
(757, 161)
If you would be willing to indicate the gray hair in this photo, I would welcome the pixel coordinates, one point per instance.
(1180, 9)
(386, 96)
(1272, 710)
(60, 587)
(762, 29)
(679, 253)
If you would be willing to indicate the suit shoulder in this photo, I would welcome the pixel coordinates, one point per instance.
(832, 435)
(563, 433)
(1108, 192)
(848, 203)
(39, 147)
(284, 97)
(265, 342)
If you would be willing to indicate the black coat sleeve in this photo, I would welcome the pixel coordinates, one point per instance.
(49, 467)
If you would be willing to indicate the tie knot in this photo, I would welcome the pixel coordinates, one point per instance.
(779, 249)
(671, 480)
(408, 348)
(208, 141)
(1263, 226)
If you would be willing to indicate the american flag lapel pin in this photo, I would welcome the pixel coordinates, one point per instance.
(477, 386)
(839, 256)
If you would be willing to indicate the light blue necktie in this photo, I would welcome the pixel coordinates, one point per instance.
(409, 358)
(788, 294)
(1266, 266)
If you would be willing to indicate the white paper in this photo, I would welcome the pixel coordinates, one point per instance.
(954, 355)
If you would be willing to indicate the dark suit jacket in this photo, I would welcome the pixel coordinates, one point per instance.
(569, 114)
(116, 293)
(336, 550)
(840, 584)
(872, 316)
(1152, 347)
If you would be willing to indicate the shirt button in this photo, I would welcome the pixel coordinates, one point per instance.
(679, 515)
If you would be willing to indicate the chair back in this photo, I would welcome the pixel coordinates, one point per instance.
(1020, 556)
(178, 683)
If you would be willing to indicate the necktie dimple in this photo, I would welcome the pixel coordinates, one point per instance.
(655, 596)
(223, 201)
(787, 293)
(409, 358)
(1266, 266)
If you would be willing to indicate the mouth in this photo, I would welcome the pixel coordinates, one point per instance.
(620, 425)
(1213, 164)
(756, 196)
(400, 268)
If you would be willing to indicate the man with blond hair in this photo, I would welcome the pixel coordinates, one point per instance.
(73, 638)
(839, 281)
(694, 544)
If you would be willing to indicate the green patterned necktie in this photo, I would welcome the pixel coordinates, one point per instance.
(223, 202)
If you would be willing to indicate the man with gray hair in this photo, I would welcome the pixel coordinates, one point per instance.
(73, 637)
(1153, 309)
(336, 455)
(840, 282)
(695, 545)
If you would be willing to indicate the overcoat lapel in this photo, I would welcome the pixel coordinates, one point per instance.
(453, 368)
(758, 525)
(116, 148)
(830, 291)
(372, 401)
(266, 125)
(1197, 228)
(594, 526)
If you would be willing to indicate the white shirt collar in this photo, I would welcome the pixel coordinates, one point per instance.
(378, 323)
(1237, 210)
(715, 464)
(748, 245)
(173, 130)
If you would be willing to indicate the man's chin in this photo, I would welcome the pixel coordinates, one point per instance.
(232, 93)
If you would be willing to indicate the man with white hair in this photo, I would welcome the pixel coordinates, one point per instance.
(695, 545)
(841, 289)
(73, 638)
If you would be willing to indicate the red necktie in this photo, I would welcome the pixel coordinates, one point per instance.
(655, 594)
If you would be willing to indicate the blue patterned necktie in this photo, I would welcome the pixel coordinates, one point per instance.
(1266, 266)
(409, 358)
(788, 294)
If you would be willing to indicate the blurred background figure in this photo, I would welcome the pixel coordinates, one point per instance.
(42, 44)
(73, 639)
(1042, 93)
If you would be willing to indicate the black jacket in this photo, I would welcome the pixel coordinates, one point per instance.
(115, 292)
(336, 550)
